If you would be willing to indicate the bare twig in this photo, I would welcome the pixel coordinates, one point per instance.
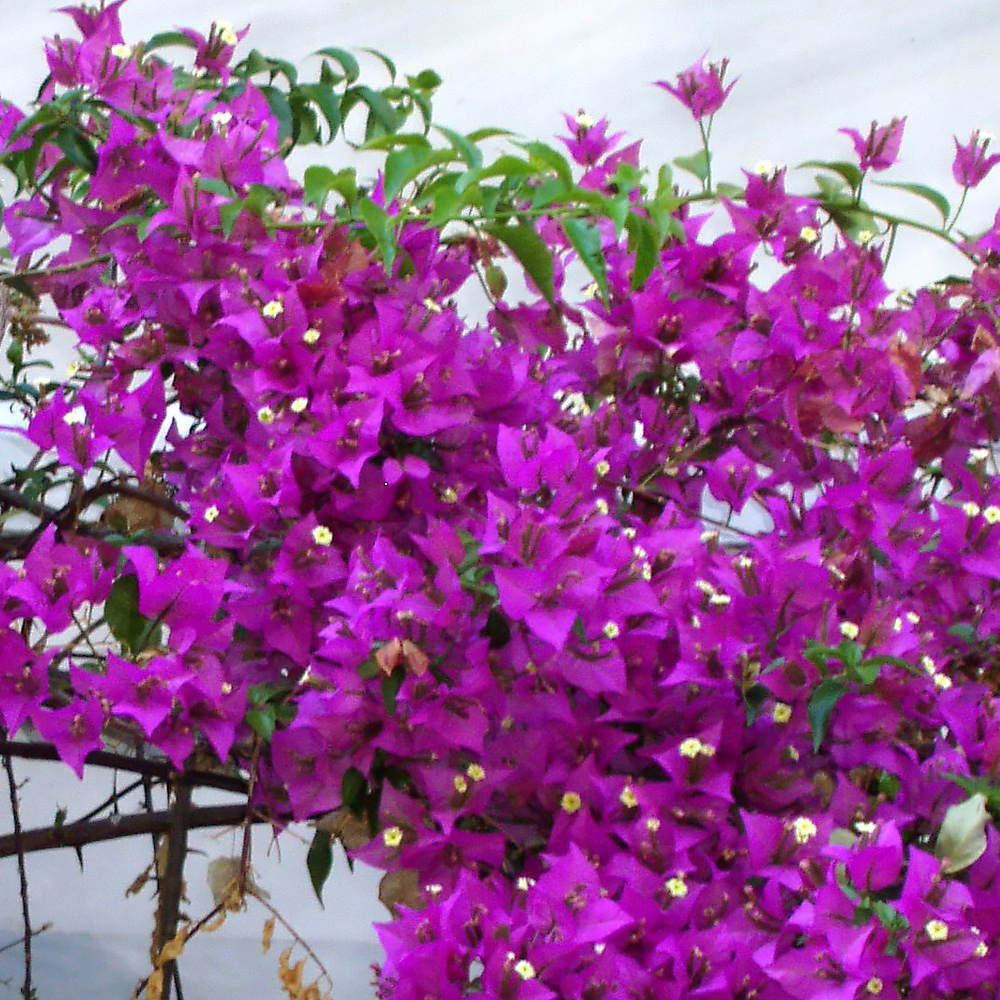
(105, 758)
(20, 940)
(81, 834)
(26, 989)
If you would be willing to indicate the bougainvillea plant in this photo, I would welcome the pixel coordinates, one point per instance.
(643, 628)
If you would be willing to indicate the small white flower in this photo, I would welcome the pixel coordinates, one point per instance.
(311, 336)
(781, 713)
(322, 535)
(475, 772)
(571, 802)
(525, 969)
(584, 120)
(221, 119)
(272, 309)
(265, 415)
(763, 168)
(979, 454)
(942, 682)
(804, 830)
(865, 236)
(611, 630)
(431, 306)
(601, 505)
(721, 599)
(392, 836)
(928, 664)
(121, 51)
(937, 930)
(299, 404)
(691, 747)
(461, 785)
(524, 883)
(628, 797)
(849, 630)
(602, 468)
(864, 827)
(434, 889)
(704, 586)
(991, 514)
(971, 509)
(808, 235)
(211, 513)
(652, 824)
(676, 886)
(981, 950)
(225, 32)
(78, 415)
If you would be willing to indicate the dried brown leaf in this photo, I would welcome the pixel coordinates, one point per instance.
(265, 941)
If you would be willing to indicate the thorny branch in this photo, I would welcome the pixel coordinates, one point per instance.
(26, 989)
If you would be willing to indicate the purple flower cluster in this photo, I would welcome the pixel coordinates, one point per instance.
(628, 748)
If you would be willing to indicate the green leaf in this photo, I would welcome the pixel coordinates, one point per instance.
(282, 111)
(696, 163)
(121, 612)
(822, 702)
(585, 239)
(319, 861)
(390, 689)
(938, 200)
(384, 60)
(731, 191)
(848, 171)
(644, 242)
(754, 699)
(380, 226)
(530, 251)
(426, 79)
(165, 38)
(77, 147)
(546, 156)
(261, 721)
(352, 788)
(328, 103)
(402, 165)
(964, 631)
(228, 214)
(866, 672)
(380, 111)
(347, 62)
(467, 150)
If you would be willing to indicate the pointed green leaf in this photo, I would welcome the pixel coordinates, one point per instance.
(848, 171)
(165, 38)
(379, 110)
(822, 702)
(467, 150)
(938, 200)
(402, 165)
(645, 244)
(78, 148)
(121, 612)
(530, 251)
(380, 226)
(349, 64)
(352, 788)
(384, 60)
(282, 111)
(546, 156)
(319, 862)
(585, 239)
(390, 690)
(328, 103)
(696, 163)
